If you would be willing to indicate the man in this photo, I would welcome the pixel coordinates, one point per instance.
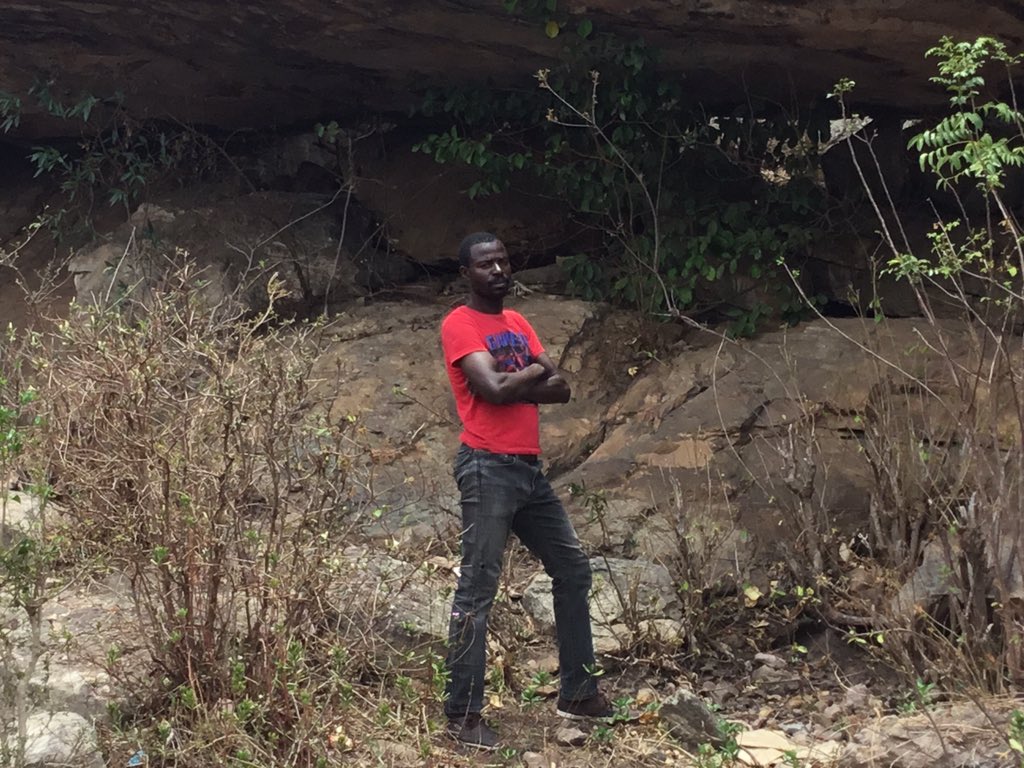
(499, 372)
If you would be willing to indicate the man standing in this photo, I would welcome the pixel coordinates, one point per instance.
(499, 372)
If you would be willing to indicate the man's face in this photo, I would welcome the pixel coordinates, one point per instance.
(489, 272)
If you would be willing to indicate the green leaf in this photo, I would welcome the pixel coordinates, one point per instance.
(585, 28)
(551, 29)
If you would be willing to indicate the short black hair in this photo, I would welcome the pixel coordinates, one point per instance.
(469, 241)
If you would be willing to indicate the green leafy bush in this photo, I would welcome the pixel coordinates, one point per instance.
(117, 157)
(666, 199)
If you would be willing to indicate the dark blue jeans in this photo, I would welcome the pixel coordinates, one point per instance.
(502, 493)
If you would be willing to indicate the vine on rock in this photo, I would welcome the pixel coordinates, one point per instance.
(117, 156)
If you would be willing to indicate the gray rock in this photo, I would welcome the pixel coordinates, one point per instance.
(857, 697)
(411, 599)
(19, 515)
(397, 754)
(768, 675)
(61, 740)
(721, 691)
(71, 689)
(689, 720)
(292, 235)
(547, 279)
(833, 712)
(930, 581)
(770, 660)
(967, 739)
(570, 737)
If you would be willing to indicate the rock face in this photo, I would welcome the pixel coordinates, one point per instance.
(269, 63)
(397, 597)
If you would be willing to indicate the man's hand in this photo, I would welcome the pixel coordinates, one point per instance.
(552, 387)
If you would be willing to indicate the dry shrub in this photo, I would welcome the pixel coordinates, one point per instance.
(187, 445)
(944, 430)
(945, 524)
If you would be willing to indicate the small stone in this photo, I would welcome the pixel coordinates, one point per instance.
(646, 696)
(822, 722)
(721, 691)
(667, 631)
(792, 729)
(441, 563)
(857, 697)
(770, 660)
(833, 712)
(768, 675)
(827, 733)
(570, 737)
(535, 760)
(397, 753)
(610, 640)
(548, 664)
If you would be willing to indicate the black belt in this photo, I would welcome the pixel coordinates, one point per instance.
(526, 458)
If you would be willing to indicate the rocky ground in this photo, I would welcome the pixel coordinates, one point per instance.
(788, 693)
(677, 462)
(816, 704)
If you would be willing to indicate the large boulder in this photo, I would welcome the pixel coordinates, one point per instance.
(630, 600)
(19, 515)
(716, 453)
(398, 599)
(241, 244)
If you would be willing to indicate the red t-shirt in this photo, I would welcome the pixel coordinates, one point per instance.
(509, 428)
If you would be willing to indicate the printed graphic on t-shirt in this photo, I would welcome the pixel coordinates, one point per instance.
(510, 349)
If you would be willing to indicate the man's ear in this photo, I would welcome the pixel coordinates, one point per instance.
(464, 271)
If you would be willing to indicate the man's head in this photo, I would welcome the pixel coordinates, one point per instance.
(484, 262)
(466, 246)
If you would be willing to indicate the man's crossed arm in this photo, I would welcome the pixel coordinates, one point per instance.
(538, 382)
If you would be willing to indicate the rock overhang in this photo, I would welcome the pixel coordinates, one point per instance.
(289, 62)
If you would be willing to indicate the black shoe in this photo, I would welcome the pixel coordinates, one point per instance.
(595, 707)
(472, 731)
